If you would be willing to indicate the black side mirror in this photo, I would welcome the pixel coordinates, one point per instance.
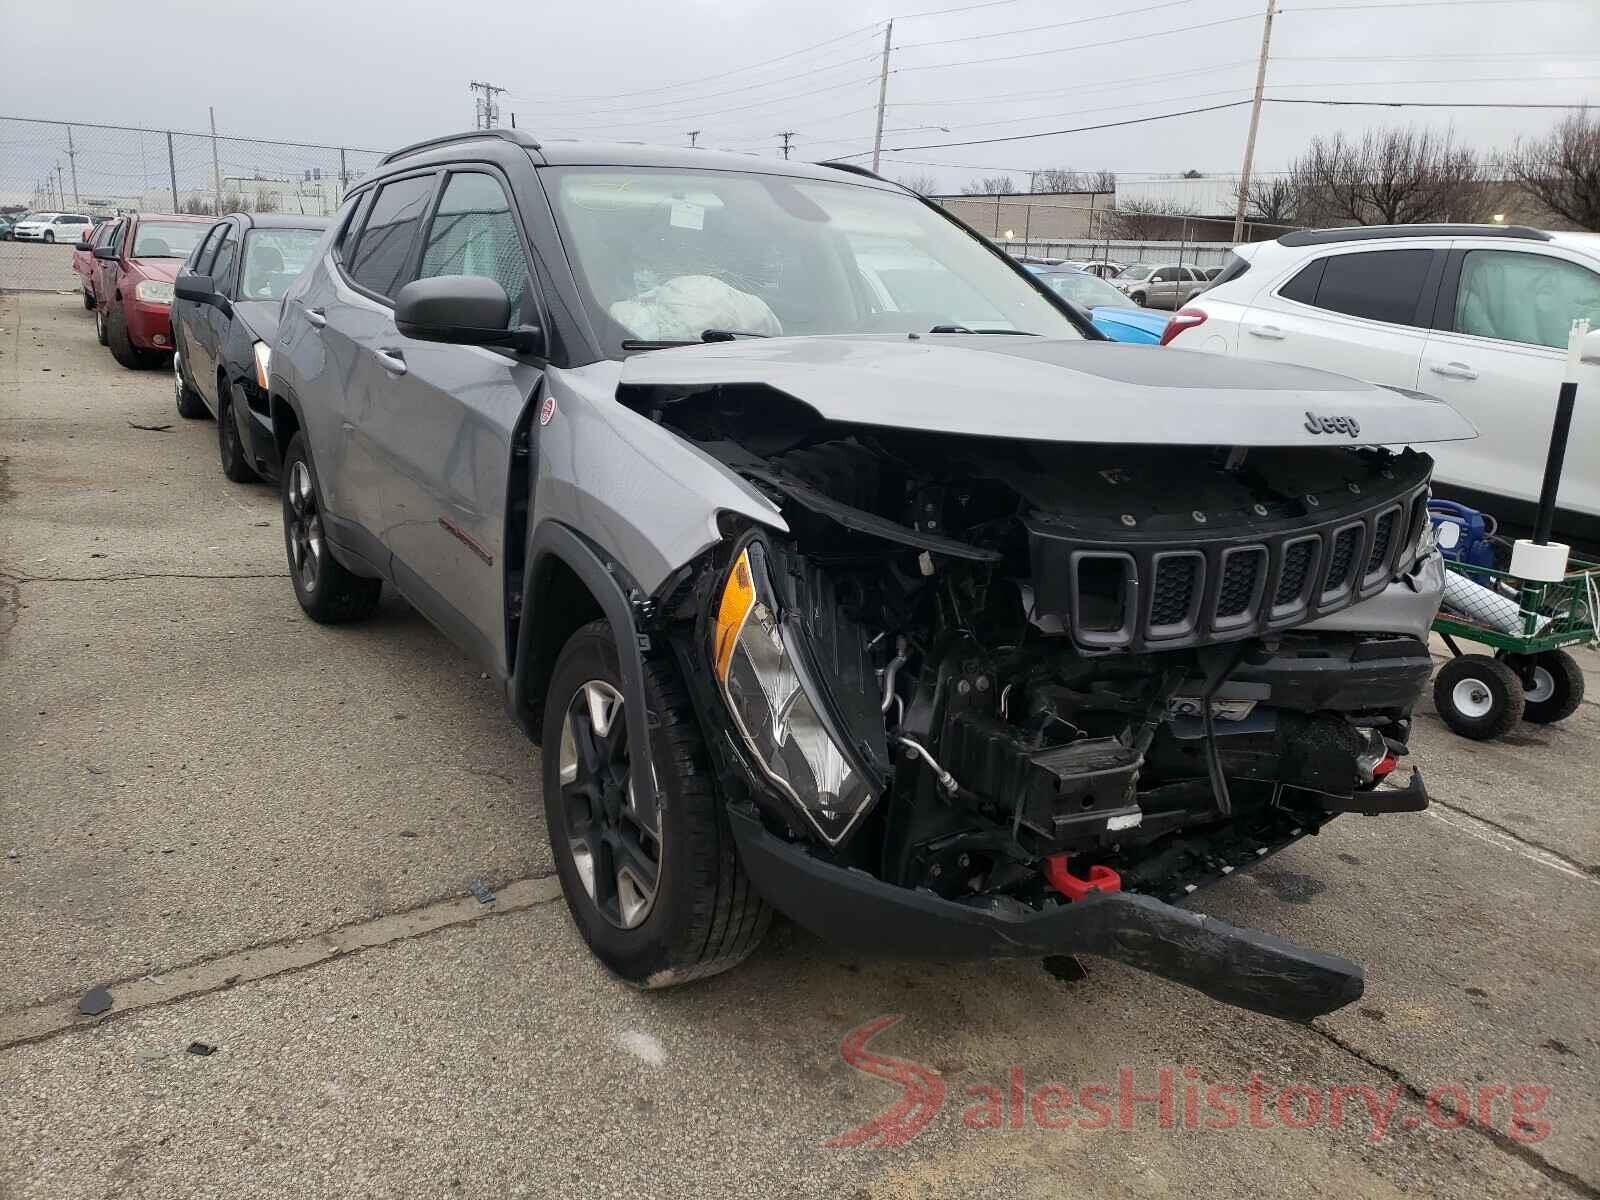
(107, 253)
(198, 288)
(463, 310)
(83, 245)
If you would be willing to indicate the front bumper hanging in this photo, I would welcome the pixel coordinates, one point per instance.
(1242, 967)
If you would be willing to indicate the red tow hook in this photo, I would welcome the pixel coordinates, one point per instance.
(1385, 765)
(1101, 879)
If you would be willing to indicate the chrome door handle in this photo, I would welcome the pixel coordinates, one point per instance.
(1271, 332)
(317, 317)
(393, 361)
(1454, 370)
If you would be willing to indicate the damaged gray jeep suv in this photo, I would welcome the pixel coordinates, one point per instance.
(839, 568)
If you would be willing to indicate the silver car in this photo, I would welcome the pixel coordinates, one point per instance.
(839, 567)
(1168, 285)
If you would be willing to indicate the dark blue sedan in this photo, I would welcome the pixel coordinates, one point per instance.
(1107, 307)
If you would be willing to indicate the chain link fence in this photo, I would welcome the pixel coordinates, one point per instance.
(103, 170)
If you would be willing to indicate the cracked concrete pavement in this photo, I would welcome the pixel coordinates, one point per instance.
(261, 834)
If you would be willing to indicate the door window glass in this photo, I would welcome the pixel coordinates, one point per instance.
(222, 265)
(385, 246)
(474, 233)
(1380, 285)
(1528, 298)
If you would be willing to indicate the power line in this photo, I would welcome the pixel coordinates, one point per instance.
(939, 12)
(978, 37)
(1122, 41)
(1410, 4)
(691, 100)
(720, 75)
(700, 114)
(1082, 87)
(1550, 55)
(1023, 137)
(1417, 103)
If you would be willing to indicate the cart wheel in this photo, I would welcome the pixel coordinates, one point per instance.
(1553, 684)
(1479, 697)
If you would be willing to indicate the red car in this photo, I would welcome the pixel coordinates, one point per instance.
(132, 283)
(83, 263)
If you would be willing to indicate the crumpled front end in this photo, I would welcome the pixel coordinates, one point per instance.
(1007, 697)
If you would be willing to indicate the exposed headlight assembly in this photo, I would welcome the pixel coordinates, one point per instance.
(764, 676)
(153, 291)
(263, 364)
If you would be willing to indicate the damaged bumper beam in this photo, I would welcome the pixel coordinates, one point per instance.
(1242, 967)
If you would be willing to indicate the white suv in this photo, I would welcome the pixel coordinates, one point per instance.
(1475, 314)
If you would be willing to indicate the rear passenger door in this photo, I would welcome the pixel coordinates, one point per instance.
(1357, 312)
(443, 426)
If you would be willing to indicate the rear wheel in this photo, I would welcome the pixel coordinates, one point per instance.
(88, 300)
(230, 446)
(1478, 697)
(660, 900)
(100, 330)
(327, 591)
(49, 237)
(1554, 686)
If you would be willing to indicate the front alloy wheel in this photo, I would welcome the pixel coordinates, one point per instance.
(328, 591)
(617, 856)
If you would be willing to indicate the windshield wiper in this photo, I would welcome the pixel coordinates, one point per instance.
(965, 329)
(709, 335)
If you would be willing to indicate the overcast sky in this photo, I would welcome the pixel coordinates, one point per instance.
(377, 74)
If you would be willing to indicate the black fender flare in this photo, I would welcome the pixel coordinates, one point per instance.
(611, 587)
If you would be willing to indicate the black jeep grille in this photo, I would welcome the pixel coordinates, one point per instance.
(1230, 579)
(1239, 580)
(1174, 587)
(1296, 566)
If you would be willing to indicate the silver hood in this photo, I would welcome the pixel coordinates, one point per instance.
(988, 385)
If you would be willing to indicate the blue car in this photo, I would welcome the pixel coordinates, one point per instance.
(1107, 307)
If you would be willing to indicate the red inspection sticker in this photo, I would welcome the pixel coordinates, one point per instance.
(547, 410)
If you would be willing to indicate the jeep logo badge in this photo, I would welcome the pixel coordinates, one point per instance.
(1318, 424)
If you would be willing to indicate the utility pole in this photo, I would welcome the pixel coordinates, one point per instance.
(488, 108)
(883, 92)
(513, 120)
(61, 192)
(694, 136)
(72, 157)
(216, 164)
(1255, 121)
(787, 136)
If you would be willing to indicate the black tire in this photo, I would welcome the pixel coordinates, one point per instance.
(230, 447)
(88, 300)
(49, 238)
(190, 404)
(100, 331)
(1478, 697)
(704, 916)
(327, 591)
(1138, 298)
(1557, 687)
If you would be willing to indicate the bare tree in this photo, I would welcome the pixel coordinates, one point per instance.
(1562, 170)
(990, 185)
(1272, 201)
(1193, 173)
(923, 184)
(1065, 179)
(1394, 176)
(1147, 221)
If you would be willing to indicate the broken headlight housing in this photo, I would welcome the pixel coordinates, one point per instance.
(769, 686)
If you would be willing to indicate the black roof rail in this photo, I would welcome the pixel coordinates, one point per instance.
(1363, 233)
(516, 137)
(855, 169)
